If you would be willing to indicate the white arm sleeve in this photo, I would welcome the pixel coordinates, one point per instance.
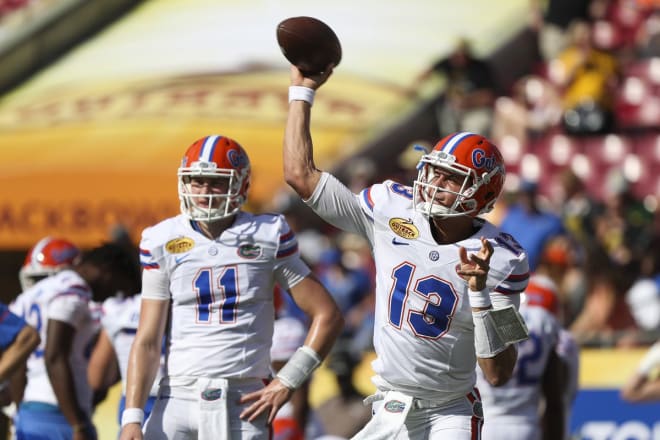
(337, 205)
(155, 285)
(291, 272)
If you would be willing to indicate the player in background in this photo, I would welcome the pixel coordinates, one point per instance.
(46, 257)
(544, 292)
(213, 268)
(109, 361)
(644, 384)
(17, 340)
(443, 275)
(57, 402)
(531, 405)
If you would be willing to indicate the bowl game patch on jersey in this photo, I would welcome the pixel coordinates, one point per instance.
(404, 228)
(179, 245)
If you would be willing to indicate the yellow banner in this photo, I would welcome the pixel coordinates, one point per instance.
(78, 161)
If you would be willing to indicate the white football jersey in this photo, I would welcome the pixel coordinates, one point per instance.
(120, 320)
(423, 332)
(64, 297)
(222, 312)
(517, 401)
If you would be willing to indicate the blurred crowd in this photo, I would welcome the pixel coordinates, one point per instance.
(581, 139)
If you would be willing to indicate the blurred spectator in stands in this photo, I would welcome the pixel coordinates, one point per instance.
(587, 78)
(556, 16)
(643, 297)
(533, 108)
(605, 319)
(562, 262)
(530, 224)
(349, 283)
(647, 38)
(624, 228)
(469, 94)
(361, 172)
(617, 26)
(644, 384)
(577, 207)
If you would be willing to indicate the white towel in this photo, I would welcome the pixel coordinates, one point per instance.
(386, 424)
(213, 418)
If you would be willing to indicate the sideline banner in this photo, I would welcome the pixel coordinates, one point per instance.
(599, 413)
(86, 158)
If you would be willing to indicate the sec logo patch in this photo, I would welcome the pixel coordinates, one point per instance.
(249, 251)
(404, 228)
(179, 245)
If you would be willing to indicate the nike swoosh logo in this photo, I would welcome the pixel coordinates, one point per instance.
(399, 243)
(178, 260)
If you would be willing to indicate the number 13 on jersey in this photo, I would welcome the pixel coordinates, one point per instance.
(439, 296)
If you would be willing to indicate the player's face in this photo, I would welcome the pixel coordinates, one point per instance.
(205, 186)
(447, 181)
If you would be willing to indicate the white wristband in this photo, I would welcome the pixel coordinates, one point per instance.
(132, 415)
(299, 367)
(300, 93)
(480, 298)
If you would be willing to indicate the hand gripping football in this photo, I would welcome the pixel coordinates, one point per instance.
(308, 44)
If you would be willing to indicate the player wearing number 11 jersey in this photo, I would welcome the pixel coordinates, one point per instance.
(447, 282)
(213, 270)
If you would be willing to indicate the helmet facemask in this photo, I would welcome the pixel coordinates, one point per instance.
(220, 204)
(424, 192)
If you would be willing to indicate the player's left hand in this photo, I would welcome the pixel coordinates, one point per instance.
(474, 269)
(269, 399)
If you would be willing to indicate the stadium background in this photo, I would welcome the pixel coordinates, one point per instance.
(100, 97)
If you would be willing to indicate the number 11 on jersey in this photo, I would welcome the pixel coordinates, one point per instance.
(227, 293)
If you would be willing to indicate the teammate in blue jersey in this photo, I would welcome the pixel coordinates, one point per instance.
(17, 340)
(447, 281)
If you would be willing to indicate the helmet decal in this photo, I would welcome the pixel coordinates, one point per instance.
(481, 160)
(237, 158)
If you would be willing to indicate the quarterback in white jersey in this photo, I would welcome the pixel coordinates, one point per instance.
(513, 411)
(444, 277)
(213, 269)
(58, 400)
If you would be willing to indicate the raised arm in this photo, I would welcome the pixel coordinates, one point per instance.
(300, 172)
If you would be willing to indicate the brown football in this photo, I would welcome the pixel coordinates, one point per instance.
(308, 43)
